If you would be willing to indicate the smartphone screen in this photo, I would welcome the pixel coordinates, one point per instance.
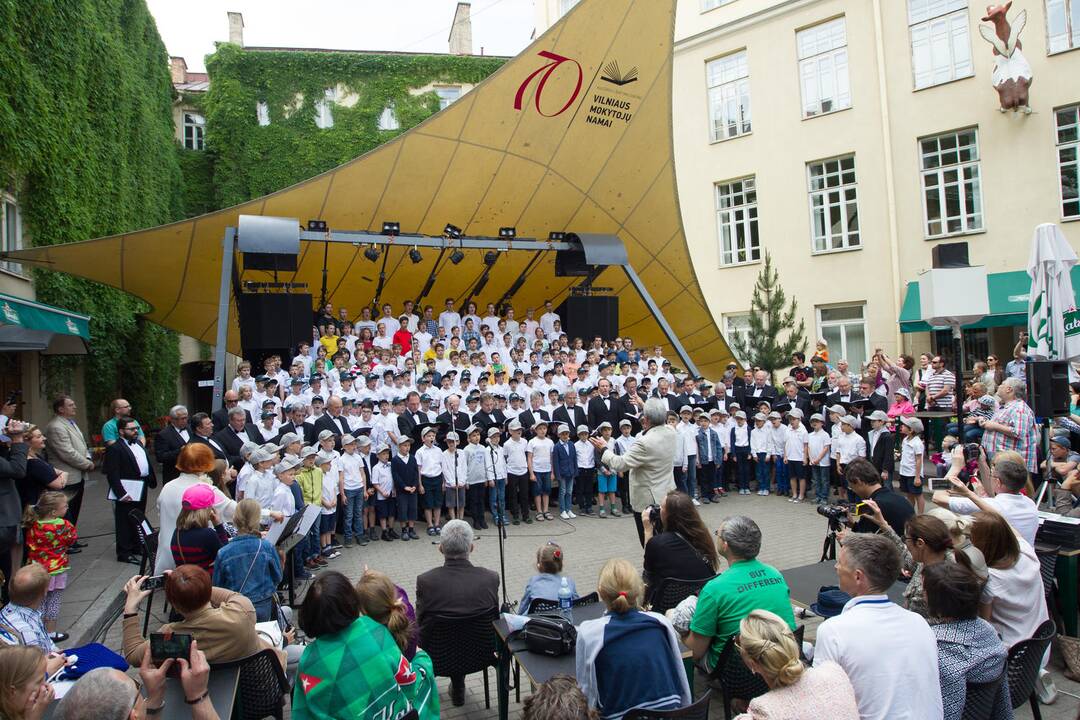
(169, 645)
(153, 583)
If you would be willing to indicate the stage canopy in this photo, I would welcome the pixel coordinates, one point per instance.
(572, 135)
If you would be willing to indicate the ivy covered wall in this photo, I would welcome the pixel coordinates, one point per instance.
(86, 139)
(250, 160)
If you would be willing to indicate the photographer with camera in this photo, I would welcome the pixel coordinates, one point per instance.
(864, 480)
(677, 543)
(12, 468)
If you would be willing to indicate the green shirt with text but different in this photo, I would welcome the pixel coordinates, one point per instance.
(725, 601)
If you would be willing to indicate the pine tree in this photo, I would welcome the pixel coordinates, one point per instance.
(769, 320)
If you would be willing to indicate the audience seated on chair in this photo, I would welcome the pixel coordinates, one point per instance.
(683, 549)
(888, 653)
(354, 668)
(969, 649)
(629, 658)
(559, 698)
(748, 584)
(769, 649)
(248, 563)
(546, 584)
(24, 694)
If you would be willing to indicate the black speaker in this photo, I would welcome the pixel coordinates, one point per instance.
(587, 317)
(1048, 388)
(950, 255)
(269, 261)
(571, 263)
(273, 321)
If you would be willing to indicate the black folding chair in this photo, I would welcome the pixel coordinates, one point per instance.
(981, 698)
(696, 711)
(1048, 558)
(148, 541)
(537, 605)
(461, 645)
(734, 679)
(672, 591)
(1025, 659)
(261, 687)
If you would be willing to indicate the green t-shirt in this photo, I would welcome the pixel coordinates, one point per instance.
(725, 601)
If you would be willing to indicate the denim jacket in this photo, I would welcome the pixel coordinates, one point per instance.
(234, 560)
(706, 437)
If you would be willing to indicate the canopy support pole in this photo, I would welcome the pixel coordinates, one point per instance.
(660, 319)
(228, 247)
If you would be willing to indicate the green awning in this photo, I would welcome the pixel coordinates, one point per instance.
(29, 325)
(1008, 293)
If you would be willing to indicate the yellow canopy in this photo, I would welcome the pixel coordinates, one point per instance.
(573, 135)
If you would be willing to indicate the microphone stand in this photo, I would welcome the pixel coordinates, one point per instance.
(500, 530)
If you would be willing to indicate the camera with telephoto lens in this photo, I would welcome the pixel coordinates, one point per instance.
(654, 519)
(835, 513)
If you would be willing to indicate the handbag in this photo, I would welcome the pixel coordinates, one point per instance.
(549, 635)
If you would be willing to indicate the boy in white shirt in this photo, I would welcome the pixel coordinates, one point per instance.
(679, 461)
(539, 459)
(477, 480)
(818, 444)
(795, 453)
(328, 511)
(382, 481)
(495, 469)
(515, 451)
(741, 449)
(760, 443)
(778, 433)
(586, 471)
(847, 446)
(607, 484)
(455, 472)
(688, 430)
(623, 443)
(429, 461)
(351, 490)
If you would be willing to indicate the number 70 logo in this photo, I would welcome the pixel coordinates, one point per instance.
(546, 71)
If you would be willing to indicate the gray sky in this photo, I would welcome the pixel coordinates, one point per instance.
(190, 28)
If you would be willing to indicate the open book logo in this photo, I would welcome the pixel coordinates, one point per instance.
(615, 76)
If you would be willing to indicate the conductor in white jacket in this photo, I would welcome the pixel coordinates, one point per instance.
(649, 462)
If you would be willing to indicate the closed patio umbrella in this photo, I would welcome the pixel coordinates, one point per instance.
(1052, 296)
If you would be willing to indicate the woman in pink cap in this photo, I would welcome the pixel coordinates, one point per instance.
(199, 533)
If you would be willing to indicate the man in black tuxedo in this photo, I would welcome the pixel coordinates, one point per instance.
(333, 421)
(795, 396)
(233, 436)
(488, 415)
(844, 393)
(535, 412)
(170, 440)
(297, 414)
(453, 418)
(203, 432)
(760, 390)
(604, 407)
(570, 413)
(221, 415)
(632, 400)
(877, 400)
(663, 391)
(126, 459)
(689, 394)
(412, 418)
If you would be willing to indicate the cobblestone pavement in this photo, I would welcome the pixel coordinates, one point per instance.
(793, 535)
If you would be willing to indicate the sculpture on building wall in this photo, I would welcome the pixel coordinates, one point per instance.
(1012, 74)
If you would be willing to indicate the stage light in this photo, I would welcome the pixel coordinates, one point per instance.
(556, 236)
(316, 225)
(508, 233)
(372, 253)
(457, 256)
(490, 258)
(452, 231)
(415, 256)
(393, 229)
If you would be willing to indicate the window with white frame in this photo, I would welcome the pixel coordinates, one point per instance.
(388, 120)
(844, 329)
(952, 190)
(324, 113)
(737, 325)
(940, 45)
(1068, 148)
(737, 222)
(729, 95)
(194, 131)
(834, 204)
(448, 95)
(707, 5)
(262, 113)
(10, 230)
(1062, 25)
(566, 6)
(823, 67)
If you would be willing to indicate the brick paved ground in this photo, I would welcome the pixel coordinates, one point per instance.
(792, 537)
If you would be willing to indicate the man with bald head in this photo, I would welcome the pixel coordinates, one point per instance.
(238, 430)
(570, 413)
(333, 421)
(221, 415)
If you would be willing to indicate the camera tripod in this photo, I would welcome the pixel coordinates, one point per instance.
(828, 547)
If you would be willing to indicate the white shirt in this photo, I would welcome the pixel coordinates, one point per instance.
(495, 462)
(330, 488)
(352, 474)
(816, 442)
(382, 478)
(795, 444)
(586, 454)
(1018, 509)
(514, 450)
(848, 446)
(910, 449)
(455, 469)
(283, 500)
(429, 460)
(140, 459)
(890, 655)
(448, 319)
(689, 436)
(760, 439)
(547, 322)
(540, 448)
(260, 487)
(777, 439)
(1019, 604)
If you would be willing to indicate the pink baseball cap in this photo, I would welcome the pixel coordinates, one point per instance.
(198, 497)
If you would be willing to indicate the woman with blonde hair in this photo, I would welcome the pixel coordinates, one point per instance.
(629, 659)
(24, 694)
(248, 563)
(768, 647)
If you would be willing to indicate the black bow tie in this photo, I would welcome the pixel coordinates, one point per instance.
(133, 442)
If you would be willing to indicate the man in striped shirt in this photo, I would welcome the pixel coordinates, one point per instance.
(1013, 426)
(940, 387)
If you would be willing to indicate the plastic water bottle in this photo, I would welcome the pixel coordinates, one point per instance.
(566, 601)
